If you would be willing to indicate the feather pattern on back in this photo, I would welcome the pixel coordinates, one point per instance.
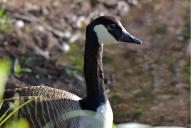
(49, 104)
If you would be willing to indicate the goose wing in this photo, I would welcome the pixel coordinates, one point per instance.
(47, 106)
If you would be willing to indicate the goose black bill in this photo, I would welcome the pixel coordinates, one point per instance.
(129, 38)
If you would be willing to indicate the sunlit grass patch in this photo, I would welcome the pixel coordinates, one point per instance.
(20, 123)
(5, 65)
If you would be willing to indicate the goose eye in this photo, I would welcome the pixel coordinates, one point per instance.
(111, 26)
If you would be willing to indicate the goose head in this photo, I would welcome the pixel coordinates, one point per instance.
(109, 30)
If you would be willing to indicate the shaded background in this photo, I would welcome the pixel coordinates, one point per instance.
(147, 84)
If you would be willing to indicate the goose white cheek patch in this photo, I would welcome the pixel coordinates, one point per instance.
(104, 37)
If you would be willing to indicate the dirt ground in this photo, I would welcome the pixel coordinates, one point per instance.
(45, 41)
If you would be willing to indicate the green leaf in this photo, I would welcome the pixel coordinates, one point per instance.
(17, 67)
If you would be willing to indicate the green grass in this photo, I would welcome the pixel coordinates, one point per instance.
(5, 65)
(16, 108)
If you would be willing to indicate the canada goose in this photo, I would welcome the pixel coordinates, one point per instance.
(51, 102)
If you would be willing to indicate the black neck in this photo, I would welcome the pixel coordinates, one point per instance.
(93, 71)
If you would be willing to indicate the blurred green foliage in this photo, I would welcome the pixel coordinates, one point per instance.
(74, 57)
(4, 21)
(5, 65)
(20, 123)
(188, 69)
(107, 60)
(116, 99)
(18, 69)
(114, 126)
(186, 30)
(73, 61)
